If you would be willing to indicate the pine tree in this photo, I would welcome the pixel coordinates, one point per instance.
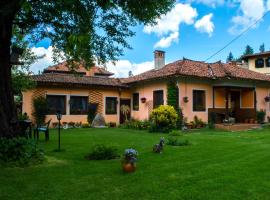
(262, 48)
(230, 57)
(249, 50)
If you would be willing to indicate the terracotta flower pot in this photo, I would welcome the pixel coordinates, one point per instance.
(129, 167)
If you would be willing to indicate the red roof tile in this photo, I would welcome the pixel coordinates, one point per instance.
(199, 69)
(64, 68)
(66, 79)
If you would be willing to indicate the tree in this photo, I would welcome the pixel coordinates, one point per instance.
(262, 48)
(249, 50)
(230, 57)
(130, 73)
(79, 30)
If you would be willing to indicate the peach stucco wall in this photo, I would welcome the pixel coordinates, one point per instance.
(261, 104)
(146, 90)
(28, 96)
(186, 89)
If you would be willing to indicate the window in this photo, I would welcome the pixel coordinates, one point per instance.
(157, 98)
(111, 105)
(199, 100)
(135, 101)
(78, 105)
(259, 63)
(267, 62)
(56, 103)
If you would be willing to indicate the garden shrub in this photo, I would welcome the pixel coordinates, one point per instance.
(174, 141)
(40, 109)
(86, 125)
(20, 152)
(163, 119)
(103, 152)
(175, 133)
(92, 111)
(136, 124)
(261, 116)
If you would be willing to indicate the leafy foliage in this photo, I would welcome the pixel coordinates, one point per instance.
(103, 152)
(163, 119)
(19, 152)
(174, 141)
(40, 109)
(136, 124)
(86, 30)
(92, 111)
(175, 133)
(173, 100)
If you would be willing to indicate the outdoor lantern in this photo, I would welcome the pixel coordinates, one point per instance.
(59, 117)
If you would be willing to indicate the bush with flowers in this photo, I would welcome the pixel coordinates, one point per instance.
(129, 160)
(163, 119)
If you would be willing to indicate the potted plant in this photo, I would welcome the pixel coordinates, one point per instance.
(185, 99)
(267, 98)
(129, 160)
(143, 99)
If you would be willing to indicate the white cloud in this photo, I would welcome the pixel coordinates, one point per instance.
(122, 67)
(167, 25)
(250, 12)
(165, 42)
(44, 62)
(268, 5)
(205, 25)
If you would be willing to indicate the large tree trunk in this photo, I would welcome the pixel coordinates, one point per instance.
(8, 116)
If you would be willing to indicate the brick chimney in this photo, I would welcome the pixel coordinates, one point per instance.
(159, 59)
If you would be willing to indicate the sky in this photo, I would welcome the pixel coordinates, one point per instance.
(194, 29)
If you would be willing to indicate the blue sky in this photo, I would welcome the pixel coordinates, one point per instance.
(194, 29)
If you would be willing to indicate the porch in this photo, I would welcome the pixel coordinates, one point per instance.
(231, 102)
(237, 127)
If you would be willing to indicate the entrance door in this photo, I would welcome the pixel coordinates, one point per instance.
(125, 110)
(235, 103)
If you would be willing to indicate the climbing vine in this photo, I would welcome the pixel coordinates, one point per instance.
(173, 100)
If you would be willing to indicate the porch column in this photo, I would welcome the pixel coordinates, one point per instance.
(227, 103)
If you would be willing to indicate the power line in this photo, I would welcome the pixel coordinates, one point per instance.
(237, 37)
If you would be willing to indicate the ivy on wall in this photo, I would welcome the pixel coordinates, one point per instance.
(173, 100)
(173, 95)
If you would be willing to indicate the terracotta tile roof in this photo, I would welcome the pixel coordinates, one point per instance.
(73, 79)
(63, 68)
(199, 69)
(266, 53)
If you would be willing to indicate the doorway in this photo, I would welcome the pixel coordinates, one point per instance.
(235, 103)
(125, 110)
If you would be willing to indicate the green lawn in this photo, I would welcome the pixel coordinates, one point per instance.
(218, 165)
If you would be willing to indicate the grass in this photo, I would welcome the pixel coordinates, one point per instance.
(217, 165)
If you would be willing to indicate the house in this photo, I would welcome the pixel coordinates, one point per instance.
(203, 88)
(258, 62)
